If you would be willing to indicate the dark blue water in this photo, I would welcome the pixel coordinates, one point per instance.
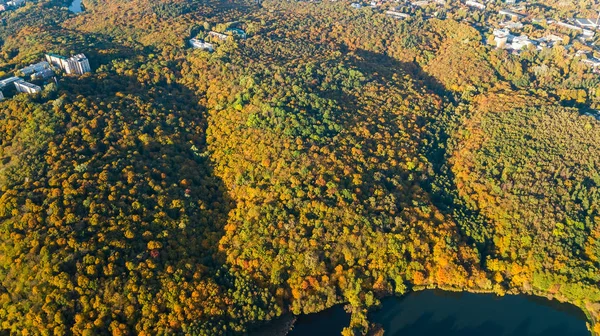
(435, 312)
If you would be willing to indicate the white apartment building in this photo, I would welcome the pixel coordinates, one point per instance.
(25, 87)
(77, 64)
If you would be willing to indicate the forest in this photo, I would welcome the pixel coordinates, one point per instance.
(333, 156)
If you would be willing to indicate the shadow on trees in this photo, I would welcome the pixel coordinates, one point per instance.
(440, 186)
(137, 198)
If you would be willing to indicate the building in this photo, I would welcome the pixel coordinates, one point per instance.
(550, 40)
(218, 36)
(587, 23)
(356, 5)
(5, 82)
(396, 15)
(28, 70)
(475, 4)
(78, 64)
(520, 42)
(593, 62)
(1, 96)
(57, 60)
(422, 3)
(2, 8)
(25, 87)
(512, 14)
(587, 34)
(44, 74)
(512, 25)
(567, 25)
(16, 3)
(501, 37)
(199, 44)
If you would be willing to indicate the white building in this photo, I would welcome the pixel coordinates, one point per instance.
(587, 23)
(199, 44)
(43, 74)
(587, 34)
(475, 4)
(28, 70)
(567, 25)
(356, 5)
(520, 42)
(397, 15)
(421, 3)
(511, 14)
(16, 3)
(593, 62)
(78, 64)
(25, 87)
(512, 25)
(502, 37)
(57, 60)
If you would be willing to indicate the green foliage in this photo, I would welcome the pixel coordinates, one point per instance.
(335, 155)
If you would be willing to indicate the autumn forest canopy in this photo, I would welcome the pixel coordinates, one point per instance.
(332, 156)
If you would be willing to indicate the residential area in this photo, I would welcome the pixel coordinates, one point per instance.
(32, 78)
(511, 24)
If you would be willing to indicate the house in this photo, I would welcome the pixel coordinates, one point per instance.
(475, 4)
(510, 2)
(199, 44)
(355, 5)
(31, 69)
(218, 36)
(396, 15)
(25, 87)
(2, 8)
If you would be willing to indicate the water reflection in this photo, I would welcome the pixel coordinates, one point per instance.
(457, 314)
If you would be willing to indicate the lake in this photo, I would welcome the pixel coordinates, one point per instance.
(434, 312)
(76, 6)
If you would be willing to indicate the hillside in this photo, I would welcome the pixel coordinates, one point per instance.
(333, 156)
